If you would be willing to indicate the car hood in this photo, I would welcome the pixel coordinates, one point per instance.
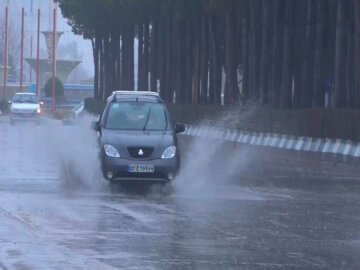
(25, 106)
(121, 140)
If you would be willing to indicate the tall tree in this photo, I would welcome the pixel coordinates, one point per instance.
(357, 69)
(204, 58)
(265, 51)
(350, 54)
(318, 83)
(215, 55)
(286, 78)
(230, 54)
(254, 45)
(340, 55)
(308, 56)
(154, 55)
(299, 46)
(245, 52)
(278, 37)
(190, 53)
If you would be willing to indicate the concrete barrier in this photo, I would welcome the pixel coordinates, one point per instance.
(281, 141)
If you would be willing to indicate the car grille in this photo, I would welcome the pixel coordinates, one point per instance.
(27, 111)
(140, 152)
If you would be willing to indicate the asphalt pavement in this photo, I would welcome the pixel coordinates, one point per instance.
(228, 209)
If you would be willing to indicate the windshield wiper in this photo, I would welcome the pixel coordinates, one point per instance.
(147, 119)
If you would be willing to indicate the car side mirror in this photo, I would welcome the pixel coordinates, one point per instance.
(179, 128)
(95, 125)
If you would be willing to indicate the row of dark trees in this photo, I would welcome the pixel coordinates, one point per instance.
(285, 53)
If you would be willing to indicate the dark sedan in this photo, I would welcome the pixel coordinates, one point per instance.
(137, 138)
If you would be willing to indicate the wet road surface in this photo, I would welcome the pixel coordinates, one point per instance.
(57, 213)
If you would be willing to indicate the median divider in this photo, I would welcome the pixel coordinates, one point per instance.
(307, 144)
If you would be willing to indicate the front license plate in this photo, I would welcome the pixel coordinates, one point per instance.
(141, 168)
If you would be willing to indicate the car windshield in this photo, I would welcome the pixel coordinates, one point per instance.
(25, 99)
(137, 116)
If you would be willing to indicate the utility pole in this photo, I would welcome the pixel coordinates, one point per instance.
(357, 67)
(22, 50)
(6, 51)
(54, 62)
(31, 37)
(38, 55)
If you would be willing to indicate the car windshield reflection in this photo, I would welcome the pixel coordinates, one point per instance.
(137, 116)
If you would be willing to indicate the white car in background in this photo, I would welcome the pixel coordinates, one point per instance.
(25, 107)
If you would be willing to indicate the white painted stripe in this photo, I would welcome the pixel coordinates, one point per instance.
(347, 149)
(248, 138)
(283, 141)
(267, 140)
(241, 135)
(275, 140)
(299, 143)
(253, 139)
(290, 142)
(327, 146)
(336, 146)
(317, 145)
(243, 138)
(307, 144)
(357, 151)
(260, 139)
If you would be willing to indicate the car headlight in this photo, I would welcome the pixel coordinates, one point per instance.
(169, 152)
(38, 110)
(111, 151)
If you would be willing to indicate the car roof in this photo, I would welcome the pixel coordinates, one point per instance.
(135, 95)
(24, 93)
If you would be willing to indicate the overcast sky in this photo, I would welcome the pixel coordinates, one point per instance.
(46, 7)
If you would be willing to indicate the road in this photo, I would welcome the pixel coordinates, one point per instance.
(57, 213)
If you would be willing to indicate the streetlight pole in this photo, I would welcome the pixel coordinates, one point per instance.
(6, 51)
(22, 50)
(54, 63)
(38, 56)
